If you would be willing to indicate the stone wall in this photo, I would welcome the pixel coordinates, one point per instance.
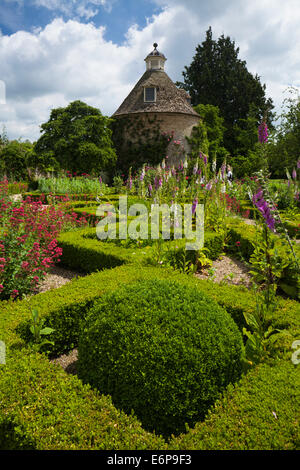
(177, 125)
(181, 125)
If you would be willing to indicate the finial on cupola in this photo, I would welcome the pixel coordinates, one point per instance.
(155, 60)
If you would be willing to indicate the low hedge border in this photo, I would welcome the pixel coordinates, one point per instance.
(64, 309)
(261, 412)
(83, 251)
(43, 408)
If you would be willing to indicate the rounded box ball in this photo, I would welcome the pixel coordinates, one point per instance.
(162, 350)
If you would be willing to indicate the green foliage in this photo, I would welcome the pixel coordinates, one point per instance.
(138, 141)
(43, 408)
(68, 186)
(218, 77)
(62, 414)
(284, 147)
(247, 240)
(38, 331)
(164, 350)
(259, 413)
(78, 138)
(214, 132)
(83, 251)
(118, 184)
(14, 159)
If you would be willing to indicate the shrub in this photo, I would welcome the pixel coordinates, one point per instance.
(162, 349)
(43, 408)
(261, 412)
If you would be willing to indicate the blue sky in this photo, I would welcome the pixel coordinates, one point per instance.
(55, 51)
(116, 15)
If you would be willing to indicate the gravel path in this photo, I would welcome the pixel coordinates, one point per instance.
(57, 277)
(227, 269)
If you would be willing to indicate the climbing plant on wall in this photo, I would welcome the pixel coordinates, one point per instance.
(138, 141)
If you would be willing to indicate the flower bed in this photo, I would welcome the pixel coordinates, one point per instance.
(28, 245)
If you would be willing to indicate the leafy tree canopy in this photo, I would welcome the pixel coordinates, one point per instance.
(13, 158)
(214, 131)
(217, 76)
(284, 145)
(78, 138)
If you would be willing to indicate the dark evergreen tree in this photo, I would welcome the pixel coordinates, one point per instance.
(217, 76)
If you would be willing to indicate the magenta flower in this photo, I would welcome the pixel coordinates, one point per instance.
(294, 174)
(264, 209)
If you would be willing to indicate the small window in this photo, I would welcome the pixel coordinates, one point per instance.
(150, 94)
(155, 64)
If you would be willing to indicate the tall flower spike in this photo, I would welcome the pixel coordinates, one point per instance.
(263, 133)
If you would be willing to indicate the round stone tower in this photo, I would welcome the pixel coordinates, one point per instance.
(156, 98)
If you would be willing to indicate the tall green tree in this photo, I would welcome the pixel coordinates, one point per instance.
(207, 136)
(217, 76)
(284, 147)
(214, 125)
(78, 138)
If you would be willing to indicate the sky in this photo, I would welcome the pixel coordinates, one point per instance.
(53, 52)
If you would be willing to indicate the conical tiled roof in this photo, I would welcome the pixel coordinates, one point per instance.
(169, 98)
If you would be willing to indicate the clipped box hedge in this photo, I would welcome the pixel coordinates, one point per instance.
(164, 349)
(28, 380)
(83, 251)
(66, 307)
(43, 408)
(261, 412)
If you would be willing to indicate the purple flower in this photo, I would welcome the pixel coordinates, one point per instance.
(294, 174)
(263, 133)
(194, 205)
(264, 209)
(298, 164)
(150, 189)
(208, 186)
(100, 180)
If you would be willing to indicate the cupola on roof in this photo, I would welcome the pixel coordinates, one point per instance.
(155, 60)
(155, 52)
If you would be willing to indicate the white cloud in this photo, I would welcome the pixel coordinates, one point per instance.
(69, 60)
(75, 8)
(63, 62)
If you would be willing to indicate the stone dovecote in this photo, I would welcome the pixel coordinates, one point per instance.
(155, 95)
